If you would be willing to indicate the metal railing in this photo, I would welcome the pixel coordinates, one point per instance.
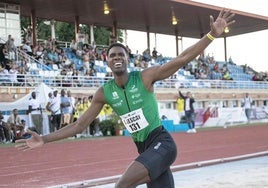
(52, 79)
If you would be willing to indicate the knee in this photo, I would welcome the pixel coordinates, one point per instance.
(126, 183)
(122, 183)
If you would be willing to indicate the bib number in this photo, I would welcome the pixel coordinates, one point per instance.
(134, 121)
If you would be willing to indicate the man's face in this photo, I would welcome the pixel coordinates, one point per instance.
(34, 95)
(117, 60)
(188, 94)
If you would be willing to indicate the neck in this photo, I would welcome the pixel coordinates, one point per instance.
(121, 80)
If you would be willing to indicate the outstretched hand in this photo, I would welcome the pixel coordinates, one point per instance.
(224, 19)
(33, 142)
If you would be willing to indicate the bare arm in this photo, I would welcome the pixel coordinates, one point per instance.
(156, 73)
(77, 127)
(82, 122)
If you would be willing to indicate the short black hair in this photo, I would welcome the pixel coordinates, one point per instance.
(116, 44)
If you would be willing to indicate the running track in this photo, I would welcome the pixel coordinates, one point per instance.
(84, 159)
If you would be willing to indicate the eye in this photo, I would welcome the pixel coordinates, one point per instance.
(121, 54)
(112, 55)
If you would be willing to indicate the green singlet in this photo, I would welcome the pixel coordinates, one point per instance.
(136, 106)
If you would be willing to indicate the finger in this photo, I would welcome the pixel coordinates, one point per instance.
(23, 147)
(221, 13)
(230, 23)
(211, 20)
(230, 17)
(20, 141)
(226, 14)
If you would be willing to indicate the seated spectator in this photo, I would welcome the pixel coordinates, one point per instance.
(14, 123)
(104, 55)
(86, 63)
(3, 54)
(13, 74)
(256, 77)
(76, 78)
(27, 48)
(216, 67)
(146, 55)
(129, 52)
(227, 76)
(21, 76)
(4, 76)
(203, 74)
(53, 57)
(79, 52)
(26, 135)
(39, 53)
(73, 46)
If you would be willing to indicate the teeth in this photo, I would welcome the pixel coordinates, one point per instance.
(118, 64)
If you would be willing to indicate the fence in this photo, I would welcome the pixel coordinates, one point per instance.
(53, 79)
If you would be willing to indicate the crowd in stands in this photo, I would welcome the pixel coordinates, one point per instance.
(80, 61)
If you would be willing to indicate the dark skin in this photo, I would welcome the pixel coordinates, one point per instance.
(30, 109)
(117, 60)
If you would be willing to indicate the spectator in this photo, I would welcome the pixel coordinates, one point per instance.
(180, 107)
(53, 106)
(65, 105)
(146, 55)
(94, 128)
(11, 48)
(86, 64)
(78, 108)
(104, 55)
(72, 106)
(247, 105)
(227, 76)
(4, 76)
(21, 129)
(189, 111)
(13, 72)
(14, 123)
(21, 76)
(35, 111)
(27, 48)
(5, 132)
(73, 46)
(3, 54)
(131, 56)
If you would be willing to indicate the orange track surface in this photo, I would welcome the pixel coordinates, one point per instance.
(77, 160)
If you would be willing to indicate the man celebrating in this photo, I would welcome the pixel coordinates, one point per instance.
(131, 96)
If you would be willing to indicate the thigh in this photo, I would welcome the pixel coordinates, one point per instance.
(159, 156)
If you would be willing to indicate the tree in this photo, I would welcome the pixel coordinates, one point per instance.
(65, 31)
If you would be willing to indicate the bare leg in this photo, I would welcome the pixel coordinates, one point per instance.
(135, 175)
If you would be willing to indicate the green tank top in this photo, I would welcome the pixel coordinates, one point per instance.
(136, 106)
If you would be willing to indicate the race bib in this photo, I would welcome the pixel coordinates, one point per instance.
(134, 121)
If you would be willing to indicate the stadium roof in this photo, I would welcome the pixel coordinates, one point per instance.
(141, 15)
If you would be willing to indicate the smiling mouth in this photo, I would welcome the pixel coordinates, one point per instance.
(117, 65)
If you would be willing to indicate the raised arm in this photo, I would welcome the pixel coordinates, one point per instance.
(74, 128)
(224, 19)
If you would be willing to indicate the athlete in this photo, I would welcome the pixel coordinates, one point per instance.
(131, 97)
